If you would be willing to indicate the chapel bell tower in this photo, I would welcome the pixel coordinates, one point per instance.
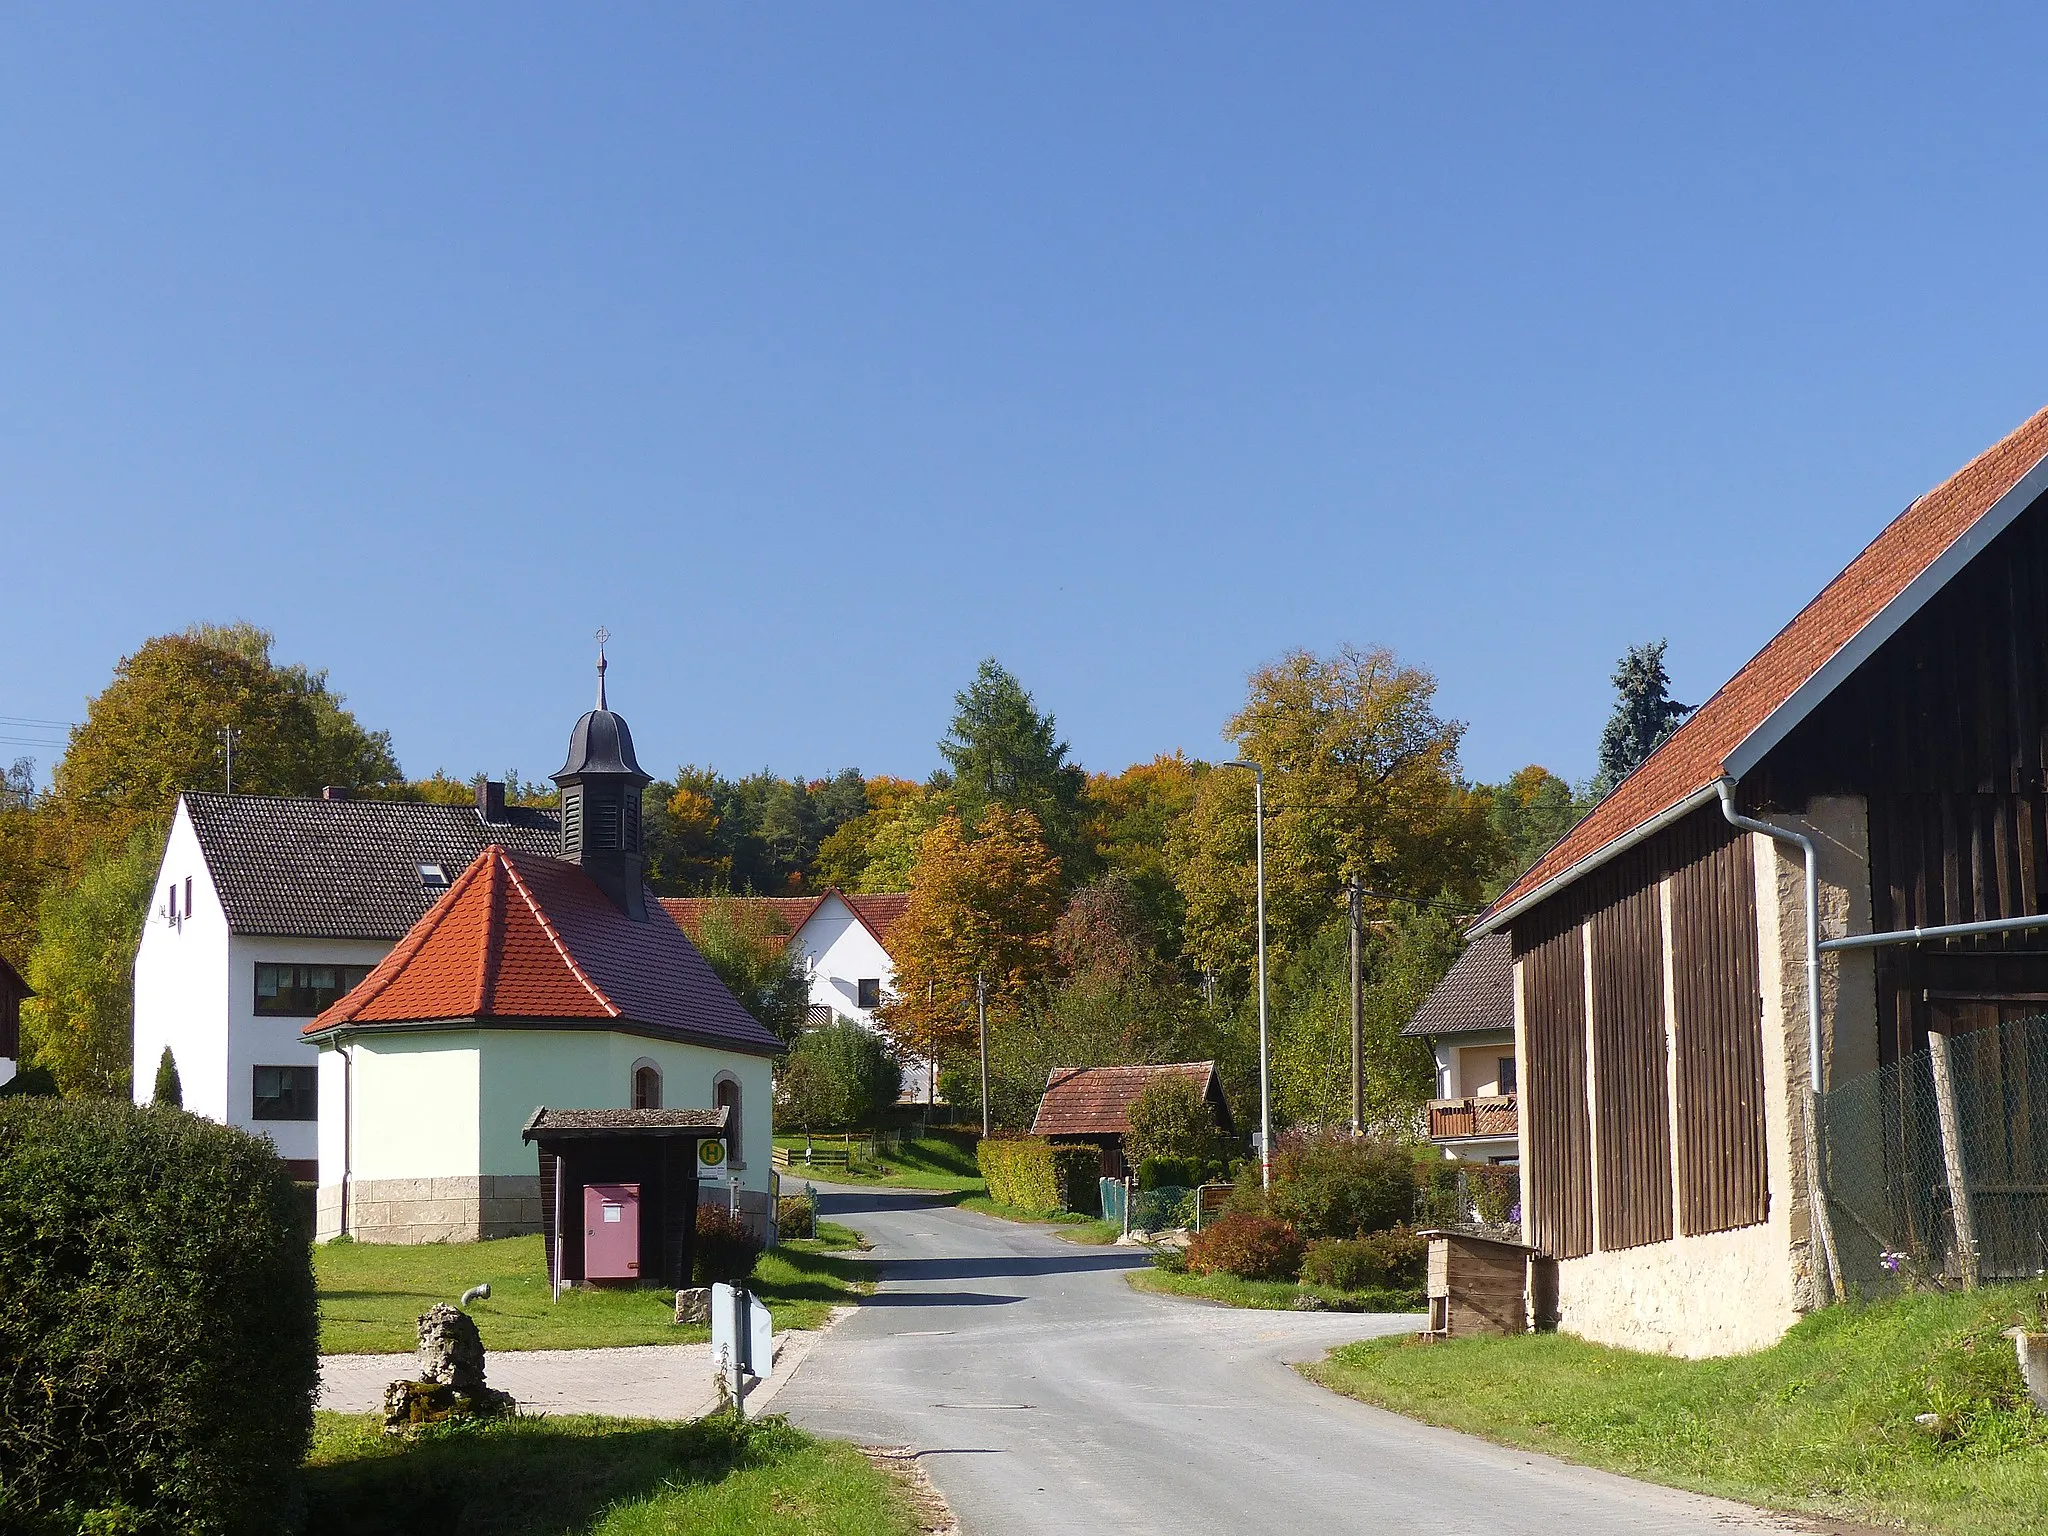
(601, 784)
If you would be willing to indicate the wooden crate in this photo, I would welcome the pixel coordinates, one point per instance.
(1476, 1285)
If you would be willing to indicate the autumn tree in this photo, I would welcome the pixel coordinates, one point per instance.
(1105, 932)
(1131, 820)
(1002, 751)
(1525, 815)
(981, 905)
(157, 729)
(1362, 778)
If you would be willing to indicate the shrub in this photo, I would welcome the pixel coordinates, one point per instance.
(1170, 1118)
(726, 1247)
(1342, 1186)
(159, 1326)
(1496, 1189)
(796, 1216)
(842, 1075)
(1171, 1173)
(1390, 1259)
(1173, 1261)
(1034, 1175)
(30, 1082)
(1249, 1247)
(168, 1090)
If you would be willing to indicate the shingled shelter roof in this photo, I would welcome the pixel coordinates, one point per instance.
(344, 869)
(1096, 1101)
(877, 911)
(1725, 737)
(525, 940)
(563, 1124)
(1476, 994)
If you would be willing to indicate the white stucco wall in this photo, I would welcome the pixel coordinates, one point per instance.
(181, 981)
(255, 1040)
(451, 1103)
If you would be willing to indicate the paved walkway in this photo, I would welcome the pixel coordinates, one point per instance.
(646, 1381)
(1047, 1398)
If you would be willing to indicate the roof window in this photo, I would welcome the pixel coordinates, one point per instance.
(433, 878)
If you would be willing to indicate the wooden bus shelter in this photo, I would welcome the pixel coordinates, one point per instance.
(618, 1192)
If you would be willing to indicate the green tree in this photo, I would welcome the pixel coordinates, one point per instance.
(842, 1075)
(168, 1090)
(750, 952)
(80, 1023)
(1644, 714)
(1004, 752)
(1526, 815)
(1170, 1118)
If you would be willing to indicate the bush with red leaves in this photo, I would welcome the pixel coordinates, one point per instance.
(1249, 1246)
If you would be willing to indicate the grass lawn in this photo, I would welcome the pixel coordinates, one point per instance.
(371, 1294)
(603, 1477)
(1269, 1295)
(924, 1162)
(1822, 1422)
(1075, 1228)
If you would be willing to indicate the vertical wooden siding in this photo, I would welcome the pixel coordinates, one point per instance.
(1631, 1088)
(1722, 1175)
(1723, 1181)
(1559, 1191)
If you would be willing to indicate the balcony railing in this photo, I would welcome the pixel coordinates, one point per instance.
(1459, 1119)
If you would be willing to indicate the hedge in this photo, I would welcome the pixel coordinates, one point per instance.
(158, 1324)
(1035, 1175)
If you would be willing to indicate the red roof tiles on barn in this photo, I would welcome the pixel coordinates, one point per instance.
(523, 939)
(1096, 1101)
(1750, 713)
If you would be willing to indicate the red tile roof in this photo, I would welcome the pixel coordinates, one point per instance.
(520, 938)
(1751, 712)
(878, 912)
(1096, 1101)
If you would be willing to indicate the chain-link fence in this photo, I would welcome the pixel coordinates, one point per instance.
(1937, 1165)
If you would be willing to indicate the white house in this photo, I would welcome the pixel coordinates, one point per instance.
(843, 940)
(1469, 1021)
(534, 981)
(267, 911)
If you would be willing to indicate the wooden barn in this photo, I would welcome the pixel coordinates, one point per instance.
(1765, 911)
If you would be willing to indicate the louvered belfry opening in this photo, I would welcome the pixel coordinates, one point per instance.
(1608, 1043)
(601, 783)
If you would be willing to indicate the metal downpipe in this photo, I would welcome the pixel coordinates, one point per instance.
(1816, 1192)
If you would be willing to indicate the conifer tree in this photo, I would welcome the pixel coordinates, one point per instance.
(168, 1091)
(1644, 714)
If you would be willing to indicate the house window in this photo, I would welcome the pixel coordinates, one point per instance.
(433, 877)
(300, 991)
(1507, 1074)
(646, 1085)
(726, 1096)
(285, 1093)
(868, 992)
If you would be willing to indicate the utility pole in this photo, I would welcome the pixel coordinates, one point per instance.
(227, 735)
(1265, 1054)
(1357, 904)
(981, 1019)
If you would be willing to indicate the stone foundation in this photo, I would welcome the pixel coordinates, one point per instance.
(451, 1210)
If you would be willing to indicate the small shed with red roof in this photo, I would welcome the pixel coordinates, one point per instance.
(1092, 1105)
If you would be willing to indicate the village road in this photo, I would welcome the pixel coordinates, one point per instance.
(1044, 1395)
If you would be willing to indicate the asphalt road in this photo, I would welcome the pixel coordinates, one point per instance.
(1045, 1395)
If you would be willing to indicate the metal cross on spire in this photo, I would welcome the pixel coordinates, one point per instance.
(603, 635)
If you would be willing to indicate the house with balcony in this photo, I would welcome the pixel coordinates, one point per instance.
(1469, 1021)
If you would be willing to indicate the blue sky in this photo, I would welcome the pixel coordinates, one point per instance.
(819, 351)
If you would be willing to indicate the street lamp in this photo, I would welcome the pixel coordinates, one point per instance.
(1265, 1074)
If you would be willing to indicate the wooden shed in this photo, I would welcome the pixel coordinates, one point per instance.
(636, 1166)
(1482, 1285)
(1091, 1106)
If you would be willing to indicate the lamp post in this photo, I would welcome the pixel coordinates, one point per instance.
(1265, 1073)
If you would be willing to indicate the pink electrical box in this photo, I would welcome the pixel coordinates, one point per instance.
(611, 1231)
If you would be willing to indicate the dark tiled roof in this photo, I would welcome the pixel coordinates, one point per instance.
(1096, 1101)
(522, 940)
(1477, 993)
(604, 1122)
(1772, 686)
(344, 869)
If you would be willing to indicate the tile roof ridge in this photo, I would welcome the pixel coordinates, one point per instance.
(554, 935)
(493, 947)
